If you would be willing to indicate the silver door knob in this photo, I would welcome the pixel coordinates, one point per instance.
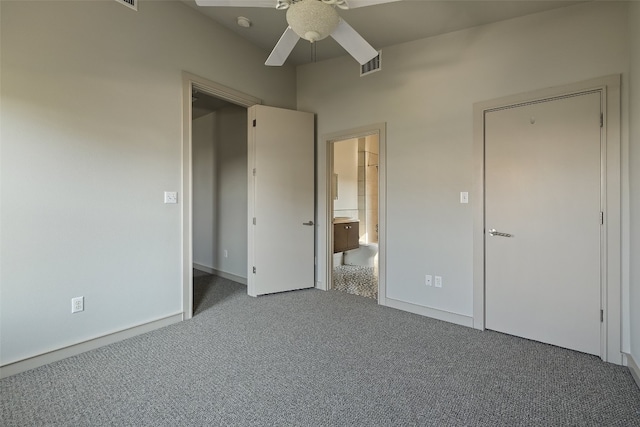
(494, 233)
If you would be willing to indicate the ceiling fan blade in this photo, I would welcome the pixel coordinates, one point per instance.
(283, 48)
(360, 3)
(238, 3)
(353, 43)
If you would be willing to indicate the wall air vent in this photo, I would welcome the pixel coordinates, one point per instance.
(133, 4)
(372, 66)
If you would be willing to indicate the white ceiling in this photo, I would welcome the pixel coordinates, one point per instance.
(381, 25)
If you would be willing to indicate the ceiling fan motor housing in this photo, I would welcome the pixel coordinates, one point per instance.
(312, 20)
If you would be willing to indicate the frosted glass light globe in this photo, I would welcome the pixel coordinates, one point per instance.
(312, 20)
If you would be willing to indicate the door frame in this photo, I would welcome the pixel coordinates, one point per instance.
(611, 272)
(190, 82)
(379, 129)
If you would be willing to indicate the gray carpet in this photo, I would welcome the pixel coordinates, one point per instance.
(313, 358)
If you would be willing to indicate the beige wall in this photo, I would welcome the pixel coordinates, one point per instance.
(425, 93)
(345, 164)
(91, 138)
(368, 177)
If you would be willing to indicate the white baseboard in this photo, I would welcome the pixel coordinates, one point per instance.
(633, 367)
(458, 319)
(219, 273)
(73, 350)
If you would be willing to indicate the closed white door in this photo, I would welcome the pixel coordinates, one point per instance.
(281, 200)
(543, 221)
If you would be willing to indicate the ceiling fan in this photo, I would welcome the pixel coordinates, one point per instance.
(311, 20)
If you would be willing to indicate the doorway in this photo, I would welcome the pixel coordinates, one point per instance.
(355, 216)
(542, 212)
(355, 212)
(213, 178)
(219, 171)
(546, 220)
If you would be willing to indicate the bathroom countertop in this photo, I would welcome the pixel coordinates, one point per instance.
(344, 219)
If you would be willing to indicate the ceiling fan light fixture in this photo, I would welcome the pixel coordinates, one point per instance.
(312, 20)
(342, 4)
(283, 4)
(243, 22)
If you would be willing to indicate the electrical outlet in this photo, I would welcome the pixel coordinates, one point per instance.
(438, 281)
(428, 280)
(77, 304)
(171, 197)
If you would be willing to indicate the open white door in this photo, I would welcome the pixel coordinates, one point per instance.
(281, 200)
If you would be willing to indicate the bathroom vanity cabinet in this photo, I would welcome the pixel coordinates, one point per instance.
(346, 236)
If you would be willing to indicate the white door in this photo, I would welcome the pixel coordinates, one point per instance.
(281, 200)
(543, 191)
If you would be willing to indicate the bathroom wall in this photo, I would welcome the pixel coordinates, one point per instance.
(368, 188)
(345, 165)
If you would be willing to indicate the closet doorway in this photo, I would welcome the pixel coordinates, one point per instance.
(219, 179)
(355, 207)
(214, 184)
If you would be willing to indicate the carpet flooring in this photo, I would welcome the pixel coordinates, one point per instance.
(314, 358)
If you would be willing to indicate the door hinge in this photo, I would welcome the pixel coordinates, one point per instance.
(254, 122)
(601, 120)
(254, 270)
(601, 218)
(254, 220)
(601, 316)
(254, 171)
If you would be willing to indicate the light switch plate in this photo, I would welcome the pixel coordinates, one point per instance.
(171, 197)
(464, 197)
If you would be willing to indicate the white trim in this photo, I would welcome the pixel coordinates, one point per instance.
(190, 81)
(379, 129)
(91, 344)
(447, 316)
(633, 367)
(611, 283)
(220, 273)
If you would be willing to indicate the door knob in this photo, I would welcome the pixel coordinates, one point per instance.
(494, 233)
(308, 223)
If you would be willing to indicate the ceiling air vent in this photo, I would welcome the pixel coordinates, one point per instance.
(133, 4)
(372, 66)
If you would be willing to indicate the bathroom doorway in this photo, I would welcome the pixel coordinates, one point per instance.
(355, 191)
